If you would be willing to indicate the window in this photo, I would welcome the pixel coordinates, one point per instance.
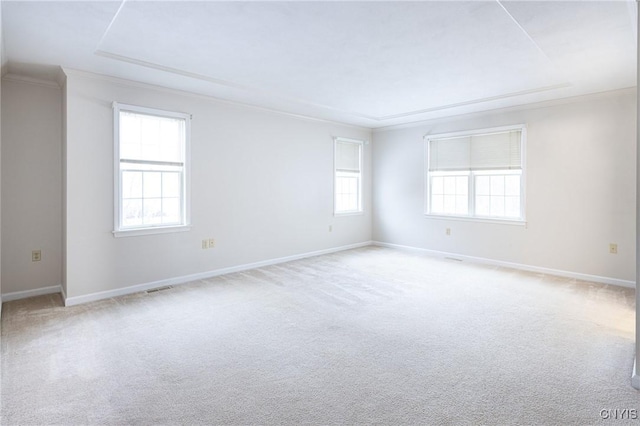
(476, 174)
(151, 170)
(348, 176)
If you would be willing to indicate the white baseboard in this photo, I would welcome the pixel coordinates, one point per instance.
(635, 378)
(76, 300)
(538, 269)
(70, 301)
(7, 297)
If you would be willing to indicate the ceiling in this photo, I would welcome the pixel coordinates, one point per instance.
(372, 64)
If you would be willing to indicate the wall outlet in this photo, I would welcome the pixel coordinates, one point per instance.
(330, 228)
(613, 248)
(36, 256)
(205, 244)
(448, 231)
(212, 243)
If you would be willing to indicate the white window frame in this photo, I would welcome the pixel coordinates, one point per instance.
(118, 230)
(472, 174)
(361, 144)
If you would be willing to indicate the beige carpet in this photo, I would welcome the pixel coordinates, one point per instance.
(372, 335)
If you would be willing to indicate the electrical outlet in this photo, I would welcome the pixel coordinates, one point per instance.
(212, 243)
(36, 256)
(448, 231)
(330, 228)
(205, 244)
(613, 248)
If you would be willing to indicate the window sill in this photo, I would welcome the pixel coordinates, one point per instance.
(360, 213)
(516, 222)
(150, 231)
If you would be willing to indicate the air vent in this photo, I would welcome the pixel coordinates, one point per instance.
(155, 290)
(453, 258)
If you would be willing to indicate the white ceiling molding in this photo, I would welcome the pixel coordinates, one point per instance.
(477, 101)
(30, 80)
(591, 97)
(142, 85)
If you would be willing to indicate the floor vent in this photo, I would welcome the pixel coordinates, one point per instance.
(155, 290)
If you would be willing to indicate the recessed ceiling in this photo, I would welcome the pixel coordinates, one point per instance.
(366, 63)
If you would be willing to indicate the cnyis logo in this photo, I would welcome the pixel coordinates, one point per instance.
(619, 414)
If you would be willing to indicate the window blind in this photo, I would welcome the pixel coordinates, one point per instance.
(347, 156)
(489, 151)
(151, 139)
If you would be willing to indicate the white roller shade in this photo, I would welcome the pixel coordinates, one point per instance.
(348, 156)
(489, 151)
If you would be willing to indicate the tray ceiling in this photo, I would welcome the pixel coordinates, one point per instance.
(367, 63)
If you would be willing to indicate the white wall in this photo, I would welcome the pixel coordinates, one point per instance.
(63, 223)
(2, 63)
(261, 186)
(580, 188)
(31, 185)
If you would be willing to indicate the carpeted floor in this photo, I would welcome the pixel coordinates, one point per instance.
(372, 335)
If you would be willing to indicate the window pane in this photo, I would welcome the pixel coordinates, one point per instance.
(449, 204)
(483, 205)
(171, 210)
(462, 204)
(131, 184)
(437, 203)
(449, 185)
(512, 207)
(352, 186)
(449, 195)
(347, 192)
(512, 185)
(482, 185)
(171, 184)
(152, 185)
(497, 206)
(152, 211)
(437, 185)
(497, 185)
(462, 185)
(132, 212)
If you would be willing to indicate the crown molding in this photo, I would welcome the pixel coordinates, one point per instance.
(379, 119)
(87, 75)
(476, 101)
(630, 91)
(227, 83)
(30, 80)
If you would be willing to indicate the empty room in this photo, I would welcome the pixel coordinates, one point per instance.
(301, 212)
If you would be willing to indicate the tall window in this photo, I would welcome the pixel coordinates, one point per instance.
(151, 151)
(477, 174)
(348, 176)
